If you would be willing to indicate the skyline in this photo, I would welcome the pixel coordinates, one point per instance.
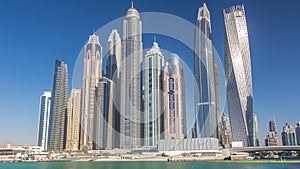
(139, 6)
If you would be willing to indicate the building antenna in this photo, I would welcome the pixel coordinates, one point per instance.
(131, 4)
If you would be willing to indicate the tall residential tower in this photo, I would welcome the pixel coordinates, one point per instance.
(174, 99)
(58, 110)
(238, 75)
(73, 120)
(288, 135)
(45, 103)
(271, 138)
(131, 74)
(113, 63)
(154, 102)
(92, 71)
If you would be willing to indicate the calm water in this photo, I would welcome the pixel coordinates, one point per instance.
(148, 165)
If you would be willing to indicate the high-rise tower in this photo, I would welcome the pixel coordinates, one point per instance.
(73, 120)
(297, 130)
(238, 75)
(154, 102)
(131, 75)
(271, 138)
(57, 122)
(205, 95)
(255, 131)
(45, 103)
(92, 71)
(113, 63)
(103, 117)
(174, 99)
(113, 55)
(288, 135)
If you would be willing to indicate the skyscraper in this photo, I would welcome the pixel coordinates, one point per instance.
(271, 138)
(103, 117)
(174, 99)
(131, 75)
(272, 126)
(154, 98)
(226, 138)
(92, 71)
(238, 75)
(288, 135)
(57, 122)
(298, 133)
(255, 131)
(113, 63)
(45, 103)
(205, 94)
(73, 120)
(113, 55)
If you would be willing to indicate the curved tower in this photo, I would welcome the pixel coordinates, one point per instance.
(238, 75)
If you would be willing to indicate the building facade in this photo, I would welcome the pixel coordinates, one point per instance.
(42, 137)
(174, 99)
(225, 138)
(288, 135)
(255, 131)
(103, 117)
(113, 63)
(131, 74)
(205, 95)
(271, 138)
(113, 55)
(298, 133)
(73, 120)
(154, 97)
(238, 75)
(57, 121)
(92, 71)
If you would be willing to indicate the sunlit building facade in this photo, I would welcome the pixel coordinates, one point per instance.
(205, 94)
(103, 116)
(238, 75)
(174, 99)
(288, 135)
(42, 137)
(154, 98)
(73, 120)
(59, 97)
(131, 74)
(271, 138)
(92, 71)
(113, 63)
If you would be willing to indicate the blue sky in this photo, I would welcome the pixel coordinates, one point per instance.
(34, 33)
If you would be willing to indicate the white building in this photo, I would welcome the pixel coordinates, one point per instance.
(42, 137)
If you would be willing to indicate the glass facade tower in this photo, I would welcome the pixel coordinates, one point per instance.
(103, 117)
(238, 75)
(207, 118)
(153, 74)
(45, 103)
(113, 63)
(57, 121)
(174, 99)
